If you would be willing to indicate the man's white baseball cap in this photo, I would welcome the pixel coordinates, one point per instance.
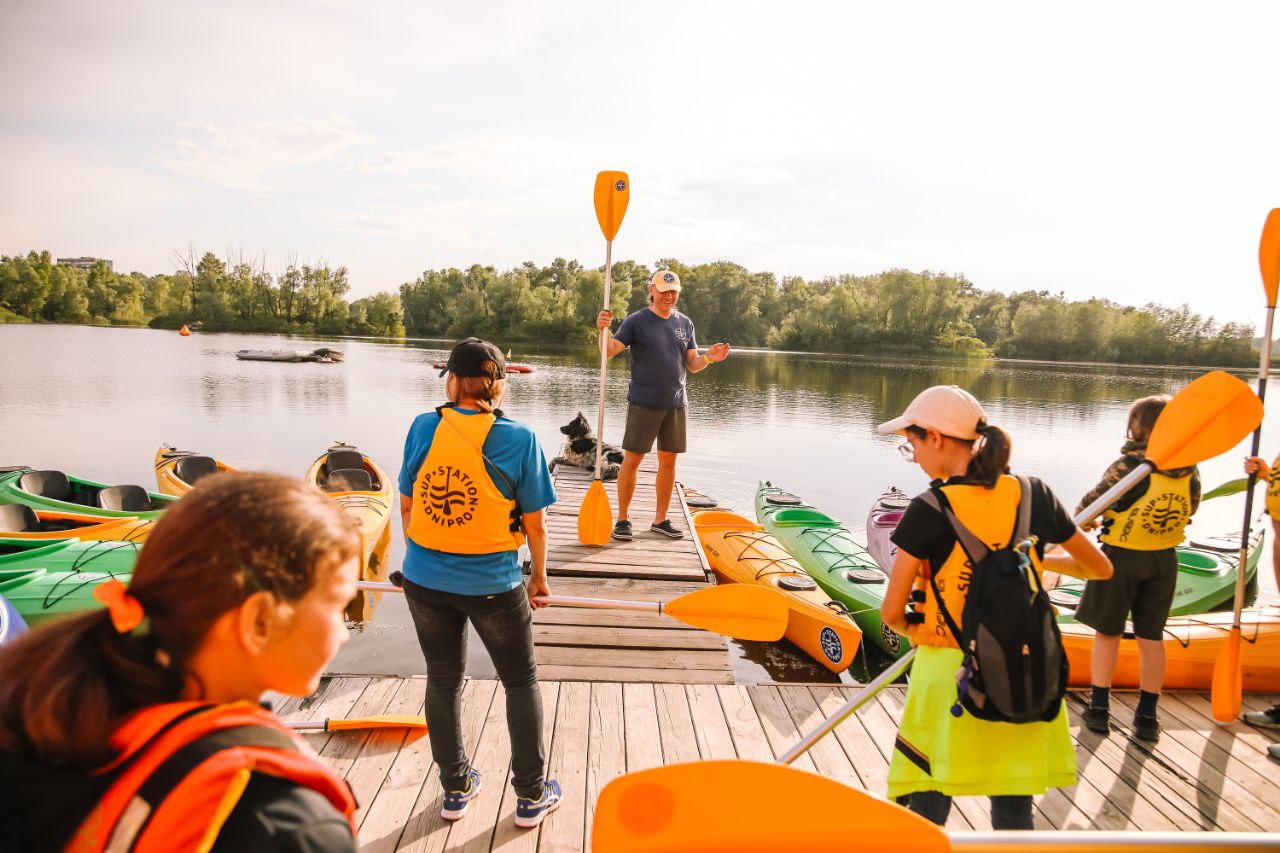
(665, 280)
(949, 409)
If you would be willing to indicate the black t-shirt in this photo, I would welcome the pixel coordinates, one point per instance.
(279, 816)
(925, 533)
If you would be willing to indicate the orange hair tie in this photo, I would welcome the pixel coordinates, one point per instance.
(126, 611)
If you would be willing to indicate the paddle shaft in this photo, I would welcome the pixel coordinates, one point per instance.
(604, 353)
(1092, 841)
(556, 600)
(866, 694)
(1264, 366)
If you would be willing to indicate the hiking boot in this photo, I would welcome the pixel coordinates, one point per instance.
(1274, 750)
(456, 803)
(622, 531)
(530, 812)
(667, 529)
(1097, 720)
(1268, 719)
(1146, 728)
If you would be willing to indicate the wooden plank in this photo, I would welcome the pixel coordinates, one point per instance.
(564, 829)
(827, 756)
(606, 673)
(648, 572)
(388, 815)
(426, 831)
(585, 617)
(640, 725)
(371, 765)
(341, 750)
(1201, 706)
(779, 729)
(673, 659)
(624, 637)
(709, 725)
(506, 835)
(749, 739)
(871, 765)
(679, 743)
(635, 589)
(607, 754)
(688, 518)
(1242, 744)
(335, 702)
(492, 757)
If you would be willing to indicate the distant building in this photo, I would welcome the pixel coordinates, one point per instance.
(84, 263)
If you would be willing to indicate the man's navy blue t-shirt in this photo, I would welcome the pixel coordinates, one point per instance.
(658, 348)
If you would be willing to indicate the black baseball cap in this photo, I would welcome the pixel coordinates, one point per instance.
(468, 358)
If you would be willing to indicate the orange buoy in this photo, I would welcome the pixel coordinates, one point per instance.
(184, 331)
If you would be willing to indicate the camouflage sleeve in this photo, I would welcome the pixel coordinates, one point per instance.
(1115, 474)
(1195, 490)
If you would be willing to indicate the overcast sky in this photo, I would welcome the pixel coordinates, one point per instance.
(1125, 150)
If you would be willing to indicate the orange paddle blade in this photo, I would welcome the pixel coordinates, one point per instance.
(734, 610)
(735, 806)
(613, 191)
(1227, 688)
(1209, 416)
(1269, 256)
(595, 516)
(378, 721)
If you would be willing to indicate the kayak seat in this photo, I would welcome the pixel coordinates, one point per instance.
(47, 484)
(349, 480)
(18, 518)
(803, 517)
(339, 459)
(192, 468)
(1197, 563)
(888, 519)
(125, 499)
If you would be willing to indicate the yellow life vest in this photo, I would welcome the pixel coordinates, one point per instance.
(1155, 521)
(456, 506)
(1273, 491)
(990, 513)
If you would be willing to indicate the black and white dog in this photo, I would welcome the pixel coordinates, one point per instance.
(579, 449)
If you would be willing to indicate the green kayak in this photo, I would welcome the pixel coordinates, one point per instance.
(54, 490)
(827, 550)
(44, 579)
(1206, 574)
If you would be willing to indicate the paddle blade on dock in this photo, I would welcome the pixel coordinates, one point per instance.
(595, 516)
(734, 610)
(706, 806)
(1227, 689)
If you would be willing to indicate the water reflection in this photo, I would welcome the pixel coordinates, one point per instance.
(99, 401)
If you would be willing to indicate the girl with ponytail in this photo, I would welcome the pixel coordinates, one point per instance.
(239, 590)
(939, 754)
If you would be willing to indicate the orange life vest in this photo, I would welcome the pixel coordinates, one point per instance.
(181, 770)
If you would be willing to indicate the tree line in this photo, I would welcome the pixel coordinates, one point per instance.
(897, 311)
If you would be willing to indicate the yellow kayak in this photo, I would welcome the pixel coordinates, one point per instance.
(178, 470)
(739, 551)
(364, 490)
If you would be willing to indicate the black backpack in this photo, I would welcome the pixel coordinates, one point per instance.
(1015, 668)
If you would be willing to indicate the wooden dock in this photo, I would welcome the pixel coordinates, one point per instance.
(593, 645)
(1200, 776)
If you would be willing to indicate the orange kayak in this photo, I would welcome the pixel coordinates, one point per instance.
(177, 470)
(364, 490)
(18, 521)
(740, 551)
(1191, 646)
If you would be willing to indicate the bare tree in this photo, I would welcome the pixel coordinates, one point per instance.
(185, 260)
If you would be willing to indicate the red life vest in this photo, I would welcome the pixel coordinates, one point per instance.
(181, 770)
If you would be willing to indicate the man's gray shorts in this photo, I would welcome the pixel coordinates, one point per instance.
(644, 425)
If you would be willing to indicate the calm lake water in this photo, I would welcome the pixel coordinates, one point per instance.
(98, 402)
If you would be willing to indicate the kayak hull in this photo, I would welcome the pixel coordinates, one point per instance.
(372, 511)
(56, 524)
(837, 562)
(83, 498)
(168, 481)
(882, 520)
(44, 580)
(740, 551)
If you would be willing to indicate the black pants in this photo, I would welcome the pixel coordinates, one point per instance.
(505, 625)
(1007, 812)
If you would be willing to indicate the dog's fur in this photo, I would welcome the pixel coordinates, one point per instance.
(579, 449)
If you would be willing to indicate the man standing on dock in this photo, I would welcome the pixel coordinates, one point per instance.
(663, 350)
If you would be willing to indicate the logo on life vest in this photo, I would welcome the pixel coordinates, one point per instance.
(1164, 514)
(449, 496)
(620, 186)
(831, 645)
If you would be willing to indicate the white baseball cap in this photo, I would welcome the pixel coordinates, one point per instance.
(665, 280)
(949, 409)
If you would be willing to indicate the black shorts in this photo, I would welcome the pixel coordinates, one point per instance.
(1143, 583)
(644, 425)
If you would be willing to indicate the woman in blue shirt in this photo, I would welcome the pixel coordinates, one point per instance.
(473, 488)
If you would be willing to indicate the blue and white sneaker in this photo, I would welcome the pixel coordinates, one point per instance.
(456, 803)
(531, 812)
